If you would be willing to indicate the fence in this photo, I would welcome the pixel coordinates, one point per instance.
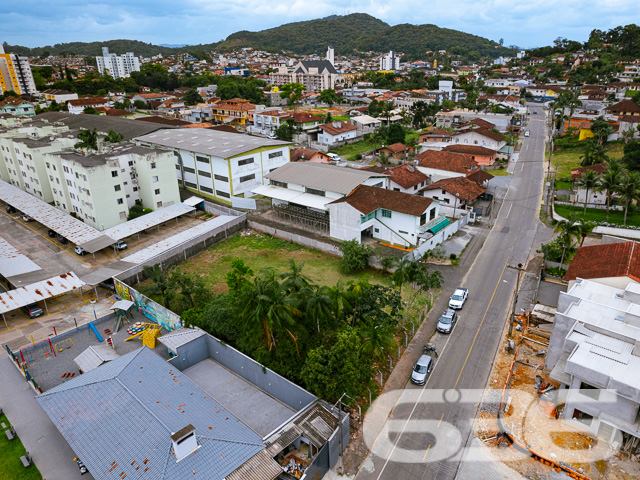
(438, 238)
(296, 238)
(188, 249)
(599, 206)
(150, 309)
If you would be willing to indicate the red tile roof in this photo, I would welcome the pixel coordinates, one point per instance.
(605, 261)
(397, 147)
(623, 107)
(480, 122)
(12, 101)
(407, 176)
(117, 112)
(451, 162)
(578, 172)
(498, 137)
(298, 154)
(332, 129)
(461, 186)
(479, 176)
(88, 101)
(470, 150)
(438, 132)
(629, 118)
(151, 96)
(367, 199)
(301, 117)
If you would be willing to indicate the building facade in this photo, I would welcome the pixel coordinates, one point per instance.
(117, 66)
(15, 74)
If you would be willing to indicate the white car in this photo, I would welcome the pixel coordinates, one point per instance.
(458, 298)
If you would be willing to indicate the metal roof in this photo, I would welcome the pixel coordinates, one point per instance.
(151, 219)
(168, 243)
(38, 291)
(74, 230)
(95, 356)
(322, 177)
(12, 262)
(261, 467)
(122, 305)
(209, 142)
(193, 201)
(180, 337)
(119, 419)
(293, 196)
(100, 274)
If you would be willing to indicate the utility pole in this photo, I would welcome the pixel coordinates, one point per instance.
(341, 446)
(519, 269)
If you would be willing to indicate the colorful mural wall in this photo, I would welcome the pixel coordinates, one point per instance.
(150, 309)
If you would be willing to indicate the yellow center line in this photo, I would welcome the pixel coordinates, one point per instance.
(425, 453)
(440, 421)
(481, 322)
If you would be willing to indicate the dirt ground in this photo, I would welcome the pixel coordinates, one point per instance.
(532, 420)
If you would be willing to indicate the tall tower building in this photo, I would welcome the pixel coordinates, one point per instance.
(117, 66)
(390, 62)
(330, 55)
(15, 74)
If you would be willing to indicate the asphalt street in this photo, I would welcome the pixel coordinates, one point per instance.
(427, 433)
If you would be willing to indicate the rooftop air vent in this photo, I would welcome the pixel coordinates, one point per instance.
(184, 442)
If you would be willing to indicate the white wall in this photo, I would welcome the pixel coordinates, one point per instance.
(437, 174)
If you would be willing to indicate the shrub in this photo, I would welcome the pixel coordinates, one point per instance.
(453, 256)
(438, 252)
(355, 256)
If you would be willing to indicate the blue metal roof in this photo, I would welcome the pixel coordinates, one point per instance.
(119, 417)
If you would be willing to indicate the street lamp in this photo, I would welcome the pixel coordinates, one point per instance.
(456, 207)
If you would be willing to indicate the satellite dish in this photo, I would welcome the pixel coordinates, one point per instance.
(51, 138)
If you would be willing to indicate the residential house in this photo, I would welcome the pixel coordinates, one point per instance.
(439, 164)
(219, 164)
(17, 106)
(151, 97)
(614, 264)
(386, 215)
(366, 122)
(625, 108)
(337, 133)
(456, 118)
(308, 155)
(482, 155)
(397, 151)
(77, 106)
(438, 135)
(481, 137)
(58, 96)
(236, 112)
(456, 192)
(595, 197)
(403, 178)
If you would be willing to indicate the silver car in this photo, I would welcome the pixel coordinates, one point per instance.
(458, 298)
(447, 321)
(421, 370)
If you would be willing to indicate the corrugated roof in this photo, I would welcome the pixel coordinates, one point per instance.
(180, 337)
(209, 142)
(119, 419)
(329, 178)
(95, 356)
(12, 262)
(39, 291)
(149, 220)
(261, 467)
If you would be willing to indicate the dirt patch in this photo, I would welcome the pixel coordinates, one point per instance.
(572, 441)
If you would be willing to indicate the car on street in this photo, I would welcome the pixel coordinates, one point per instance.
(458, 298)
(272, 136)
(10, 209)
(80, 251)
(120, 245)
(527, 133)
(33, 310)
(447, 321)
(421, 370)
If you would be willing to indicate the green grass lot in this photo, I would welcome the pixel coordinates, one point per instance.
(566, 159)
(563, 185)
(597, 215)
(349, 151)
(336, 118)
(10, 465)
(499, 172)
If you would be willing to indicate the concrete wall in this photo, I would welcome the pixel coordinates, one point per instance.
(296, 238)
(561, 326)
(438, 238)
(344, 222)
(191, 353)
(267, 380)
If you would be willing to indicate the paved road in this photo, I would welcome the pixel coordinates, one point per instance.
(429, 427)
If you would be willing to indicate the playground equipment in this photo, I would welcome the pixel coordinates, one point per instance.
(61, 342)
(95, 330)
(148, 331)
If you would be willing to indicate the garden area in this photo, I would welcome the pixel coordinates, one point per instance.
(616, 217)
(324, 322)
(351, 150)
(10, 464)
(567, 155)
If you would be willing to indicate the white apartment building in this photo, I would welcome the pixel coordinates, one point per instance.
(389, 62)
(117, 66)
(219, 164)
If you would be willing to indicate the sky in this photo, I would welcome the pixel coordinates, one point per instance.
(526, 23)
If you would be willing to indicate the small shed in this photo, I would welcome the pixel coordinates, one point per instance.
(95, 356)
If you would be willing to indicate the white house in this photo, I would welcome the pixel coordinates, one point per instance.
(337, 132)
(595, 197)
(220, 164)
(403, 178)
(442, 164)
(77, 106)
(386, 215)
(365, 121)
(456, 193)
(482, 137)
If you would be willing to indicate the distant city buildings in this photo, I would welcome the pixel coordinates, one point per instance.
(389, 62)
(15, 74)
(315, 75)
(117, 66)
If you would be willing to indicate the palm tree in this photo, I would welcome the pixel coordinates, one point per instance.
(294, 280)
(88, 139)
(609, 182)
(319, 304)
(376, 340)
(161, 282)
(629, 191)
(340, 300)
(593, 154)
(568, 230)
(588, 181)
(584, 229)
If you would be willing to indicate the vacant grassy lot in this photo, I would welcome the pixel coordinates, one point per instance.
(261, 251)
(10, 465)
(597, 215)
(349, 152)
(499, 172)
(566, 159)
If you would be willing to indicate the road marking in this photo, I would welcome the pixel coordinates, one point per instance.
(510, 207)
(503, 200)
(521, 167)
(425, 453)
(481, 322)
(440, 421)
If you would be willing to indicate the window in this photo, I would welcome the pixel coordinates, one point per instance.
(423, 219)
(279, 184)
(157, 191)
(189, 170)
(202, 159)
(153, 165)
(177, 167)
(432, 214)
(589, 390)
(206, 189)
(367, 217)
(123, 215)
(154, 179)
(246, 178)
(83, 176)
(159, 205)
(204, 174)
(245, 161)
(190, 185)
(130, 163)
(120, 201)
(582, 417)
(135, 189)
(221, 178)
(275, 154)
(68, 181)
(66, 169)
(116, 188)
(77, 176)
(379, 185)
(402, 231)
(114, 173)
(222, 194)
(48, 165)
(386, 213)
(314, 191)
(122, 170)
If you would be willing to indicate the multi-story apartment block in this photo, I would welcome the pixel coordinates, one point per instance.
(15, 74)
(219, 164)
(315, 75)
(117, 66)
(389, 62)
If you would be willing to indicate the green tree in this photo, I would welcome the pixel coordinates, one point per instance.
(318, 306)
(631, 156)
(90, 111)
(589, 182)
(609, 182)
(569, 99)
(376, 341)
(293, 280)
(601, 130)
(113, 137)
(160, 283)
(238, 276)
(191, 97)
(328, 96)
(292, 92)
(628, 134)
(593, 154)
(328, 118)
(140, 105)
(395, 134)
(567, 231)
(355, 256)
(629, 191)
(88, 139)
(286, 130)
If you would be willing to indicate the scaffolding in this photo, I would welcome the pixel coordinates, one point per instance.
(302, 216)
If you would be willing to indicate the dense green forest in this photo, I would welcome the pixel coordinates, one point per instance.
(349, 33)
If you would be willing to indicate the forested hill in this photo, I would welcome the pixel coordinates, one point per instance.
(356, 32)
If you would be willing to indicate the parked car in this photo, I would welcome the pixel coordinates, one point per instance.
(447, 321)
(33, 310)
(10, 209)
(458, 298)
(527, 133)
(120, 245)
(272, 136)
(27, 218)
(108, 284)
(52, 233)
(63, 240)
(421, 370)
(334, 156)
(80, 251)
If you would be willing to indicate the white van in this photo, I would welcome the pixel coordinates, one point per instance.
(334, 157)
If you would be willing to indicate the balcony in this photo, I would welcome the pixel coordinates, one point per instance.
(435, 225)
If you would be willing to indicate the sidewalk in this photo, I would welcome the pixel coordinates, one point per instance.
(51, 452)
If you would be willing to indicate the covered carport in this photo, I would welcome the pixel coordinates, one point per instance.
(13, 263)
(52, 287)
(102, 274)
(196, 202)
